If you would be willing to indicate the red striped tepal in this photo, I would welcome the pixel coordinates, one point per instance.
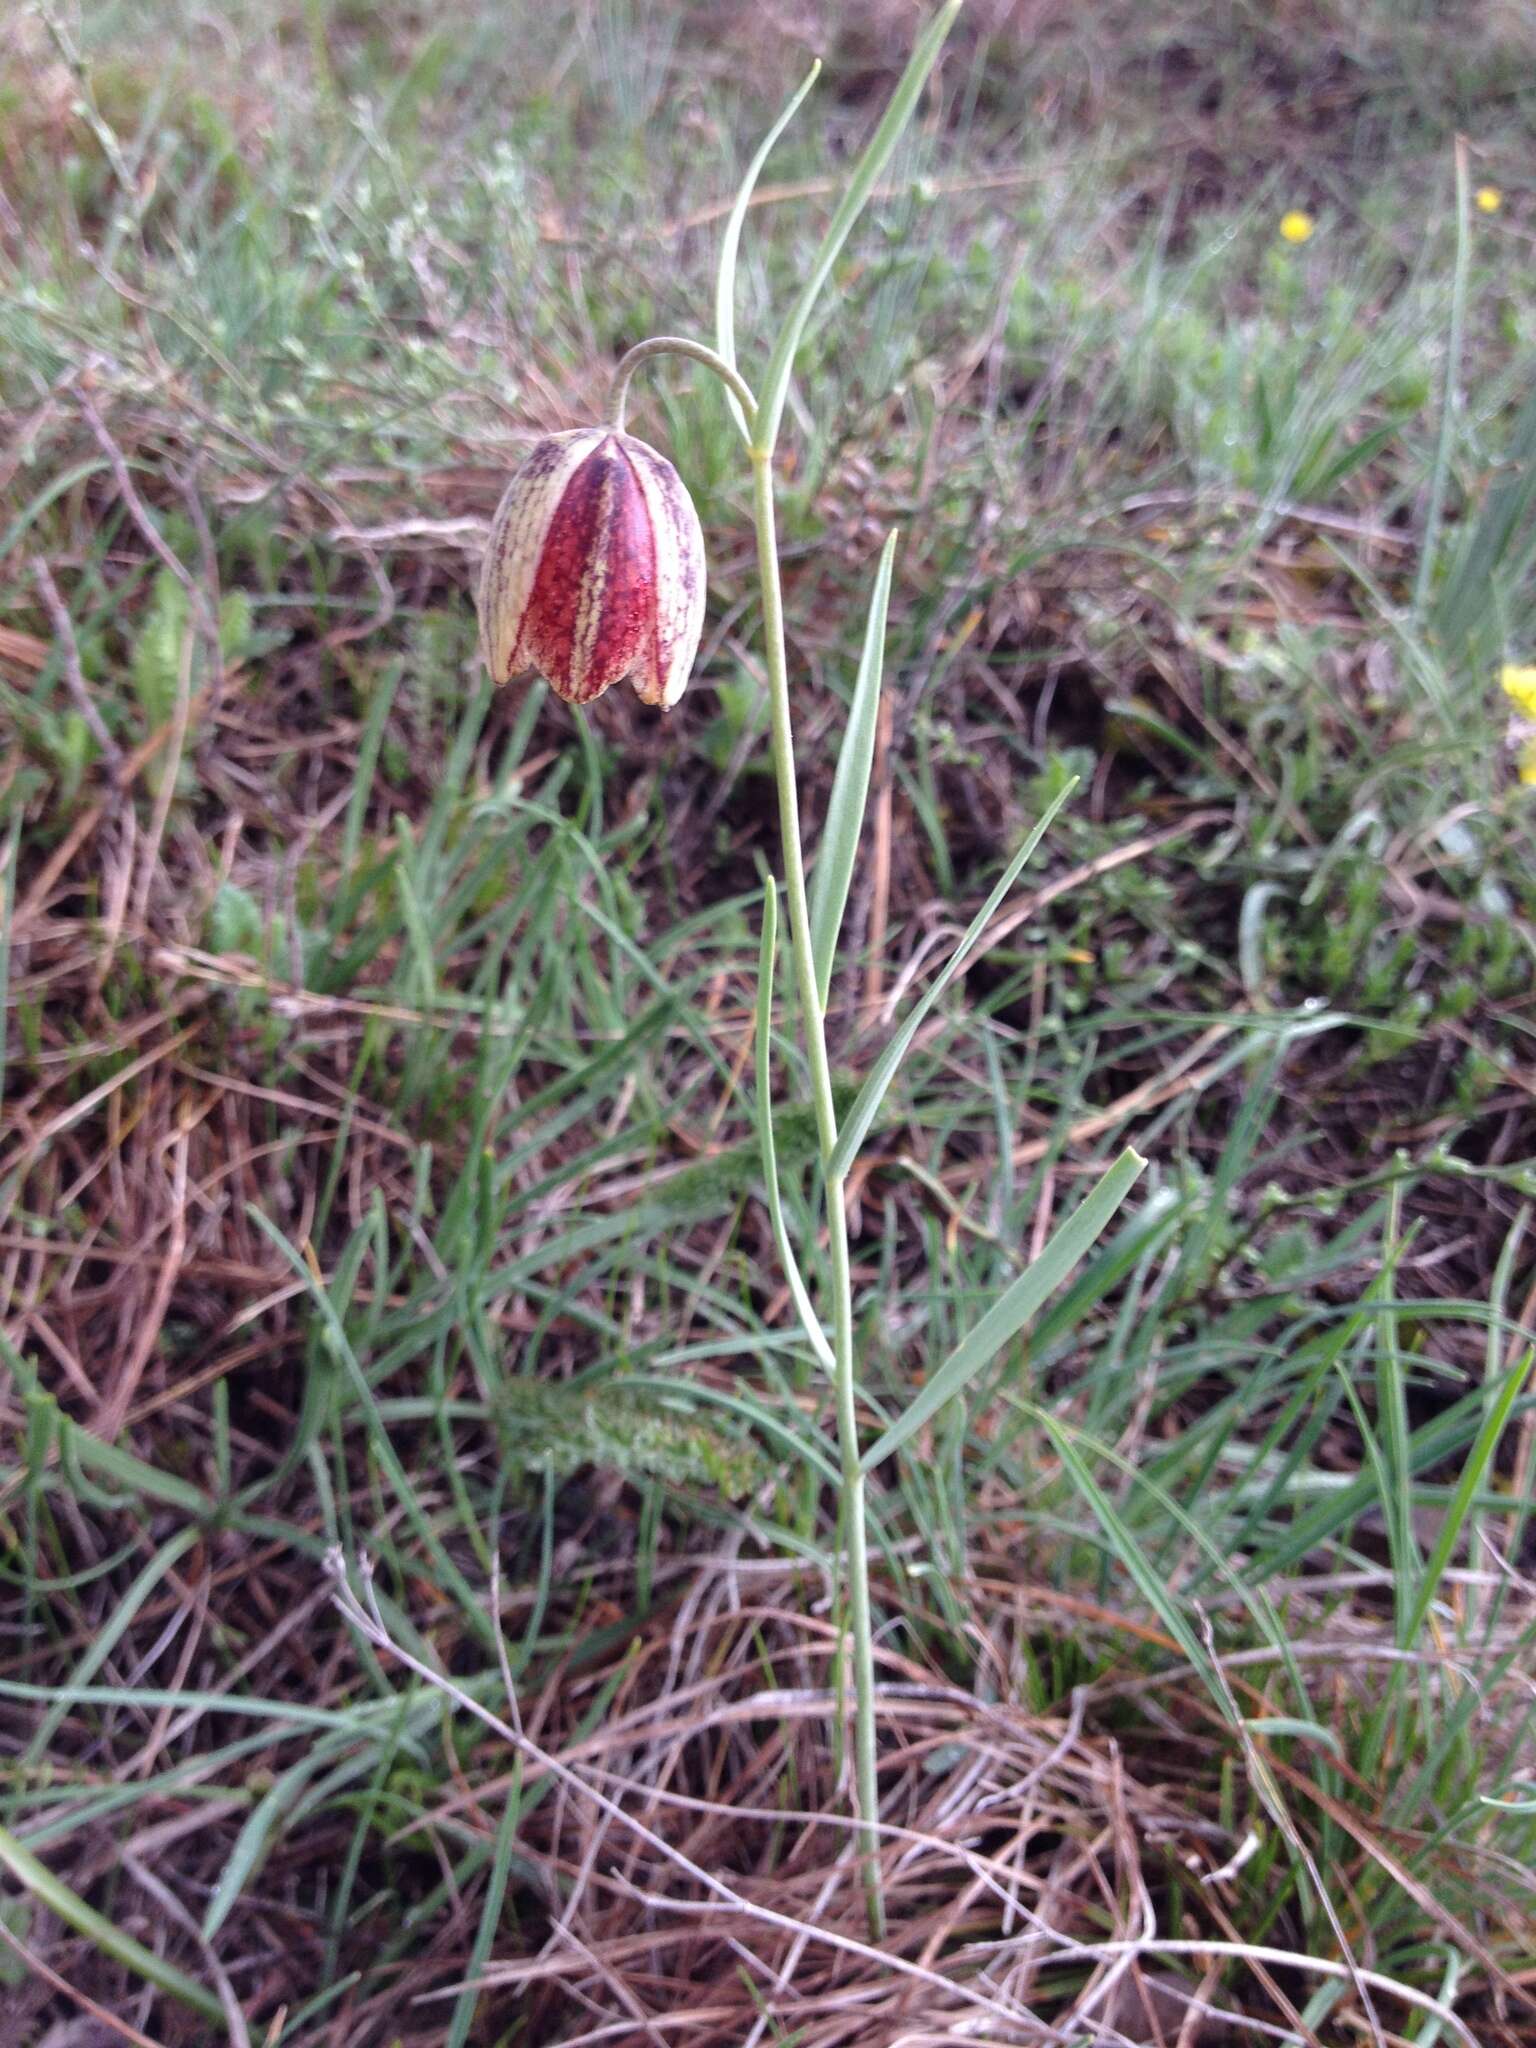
(594, 570)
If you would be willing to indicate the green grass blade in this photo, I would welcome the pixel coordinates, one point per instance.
(288, 1713)
(1392, 1419)
(867, 1102)
(383, 1450)
(730, 241)
(1499, 1320)
(1445, 445)
(1015, 1305)
(1493, 557)
(83, 1451)
(1142, 1573)
(850, 786)
(765, 1137)
(380, 703)
(68, 1906)
(1473, 1474)
(251, 1843)
(490, 1911)
(106, 1639)
(7, 910)
(877, 154)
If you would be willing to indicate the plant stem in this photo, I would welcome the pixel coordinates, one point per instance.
(855, 1536)
(675, 345)
(854, 1533)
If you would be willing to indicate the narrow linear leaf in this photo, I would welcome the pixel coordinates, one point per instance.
(1129, 1553)
(1307, 1731)
(251, 1843)
(866, 1103)
(1345, 1501)
(7, 908)
(108, 1636)
(1449, 397)
(49, 1891)
(1493, 1363)
(155, 1697)
(1508, 1805)
(850, 786)
(797, 1287)
(370, 745)
(1489, 559)
(122, 1469)
(877, 154)
(382, 1448)
(1015, 1305)
(730, 241)
(503, 1858)
(1473, 1473)
(1392, 1414)
(1152, 1225)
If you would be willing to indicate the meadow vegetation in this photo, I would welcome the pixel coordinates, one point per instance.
(378, 1171)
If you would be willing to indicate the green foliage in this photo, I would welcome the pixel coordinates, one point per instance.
(547, 1427)
(235, 923)
(168, 666)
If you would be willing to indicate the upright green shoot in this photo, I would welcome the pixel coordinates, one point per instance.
(814, 925)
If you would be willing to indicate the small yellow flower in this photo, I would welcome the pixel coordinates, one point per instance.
(1526, 762)
(1519, 683)
(1296, 226)
(1488, 198)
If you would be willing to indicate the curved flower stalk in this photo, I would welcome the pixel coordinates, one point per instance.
(593, 573)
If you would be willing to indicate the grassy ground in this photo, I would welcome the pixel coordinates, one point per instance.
(376, 1166)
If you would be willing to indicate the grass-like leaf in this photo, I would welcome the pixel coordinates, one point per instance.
(7, 905)
(730, 241)
(1014, 1306)
(68, 1906)
(256, 1834)
(850, 786)
(866, 1103)
(764, 1111)
(1474, 1474)
(1128, 1552)
(1445, 446)
(1493, 553)
(877, 154)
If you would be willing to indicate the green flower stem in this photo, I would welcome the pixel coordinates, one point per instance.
(675, 345)
(855, 1537)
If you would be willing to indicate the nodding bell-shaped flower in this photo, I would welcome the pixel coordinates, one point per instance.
(594, 570)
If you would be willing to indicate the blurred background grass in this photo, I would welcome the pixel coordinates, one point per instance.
(375, 1164)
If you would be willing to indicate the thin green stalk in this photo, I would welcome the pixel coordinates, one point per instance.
(762, 422)
(855, 1536)
(675, 345)
(855, 1533)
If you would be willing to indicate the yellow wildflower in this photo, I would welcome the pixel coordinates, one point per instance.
(1526, 762)
(1296, 226)
(1519, 683)
(1488, 198)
